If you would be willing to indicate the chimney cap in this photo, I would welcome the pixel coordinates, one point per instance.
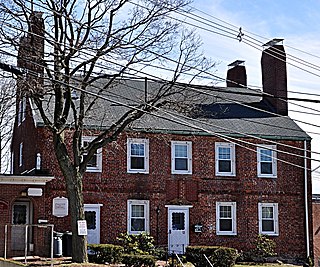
(236, 63)
(273, 42)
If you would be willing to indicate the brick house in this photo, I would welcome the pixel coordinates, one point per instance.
(233, 171)
(316, 228)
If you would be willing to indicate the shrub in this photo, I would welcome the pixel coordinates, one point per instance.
(102, 253)
(224, 257)
(218, 256)
(264, 248)
(131, 260)
(137, 244)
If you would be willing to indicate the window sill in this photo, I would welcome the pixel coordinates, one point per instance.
(180, 172)
(269, 234)
(267, 176)
(138, 171)
(226, 233)
(226, 174)
(93, 170)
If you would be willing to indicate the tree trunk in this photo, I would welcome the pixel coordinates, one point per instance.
(73, 180)
(75, 196)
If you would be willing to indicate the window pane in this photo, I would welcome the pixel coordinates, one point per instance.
(224, 153)
(266, 168)
(267, 212)
(225, 211)
(137, 149)
(90, 217)
(93, 161)
(224, 166)
(137, 211)
(137, 163)
(137, 224)
(225, 224)
(178, 221)
(181, 164)
(181, 151)
(266, 155)
(19, 214)
(268, 226)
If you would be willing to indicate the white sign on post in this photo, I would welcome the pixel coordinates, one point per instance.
(82, 227)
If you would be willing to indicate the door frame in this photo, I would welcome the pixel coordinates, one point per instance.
(185, 209)
(97, 208)
(29, 216)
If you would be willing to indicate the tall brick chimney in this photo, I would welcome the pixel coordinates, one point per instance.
(31, 50)
(236, 75)
(274, 75)
(30, 56)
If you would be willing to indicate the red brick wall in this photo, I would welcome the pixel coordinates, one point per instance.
(316, 230)
(114, 186)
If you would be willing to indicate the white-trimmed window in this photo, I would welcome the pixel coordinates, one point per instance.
(267, 161)
(138, 216)
(225, 159)
(268, 218)
(226, 218)
(137, 155)
(95, 163)
(22, 110)
(20, 154)
(181, 157)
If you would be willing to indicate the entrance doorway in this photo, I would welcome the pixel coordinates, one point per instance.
(178, 228)
(92, 215)
(20, 219)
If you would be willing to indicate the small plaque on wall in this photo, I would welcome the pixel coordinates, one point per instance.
(60, 207)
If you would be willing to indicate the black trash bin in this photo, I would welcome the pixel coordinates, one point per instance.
(67, 244)
(57, 244)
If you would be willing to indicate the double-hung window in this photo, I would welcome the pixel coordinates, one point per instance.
(225, 159)
(22, 110)
(181, 157)
(95, 163)
(268, 218)
(226, 218)
(137, 155)
(20, 154)
(138, 216)
(267, 161)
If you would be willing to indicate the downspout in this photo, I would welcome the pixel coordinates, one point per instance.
(306, 198)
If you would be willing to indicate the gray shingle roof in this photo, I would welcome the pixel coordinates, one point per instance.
(230, 111)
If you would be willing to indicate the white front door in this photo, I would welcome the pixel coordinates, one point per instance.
(178, 229)
(92, 215)
(20, 220)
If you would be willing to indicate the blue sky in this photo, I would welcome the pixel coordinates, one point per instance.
(297, 22)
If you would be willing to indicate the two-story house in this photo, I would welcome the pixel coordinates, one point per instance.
(238, 167)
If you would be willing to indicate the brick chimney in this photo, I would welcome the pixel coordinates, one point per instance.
(30, 56)
(274, 75)
(236, 75)
(31, 50)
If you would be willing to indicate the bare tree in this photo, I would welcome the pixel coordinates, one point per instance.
(103, 40)
(7, 113)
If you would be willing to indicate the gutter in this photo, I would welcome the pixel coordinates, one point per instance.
(306, 199)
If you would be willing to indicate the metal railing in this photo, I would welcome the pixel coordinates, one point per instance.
(205, 256)
(22, 240)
